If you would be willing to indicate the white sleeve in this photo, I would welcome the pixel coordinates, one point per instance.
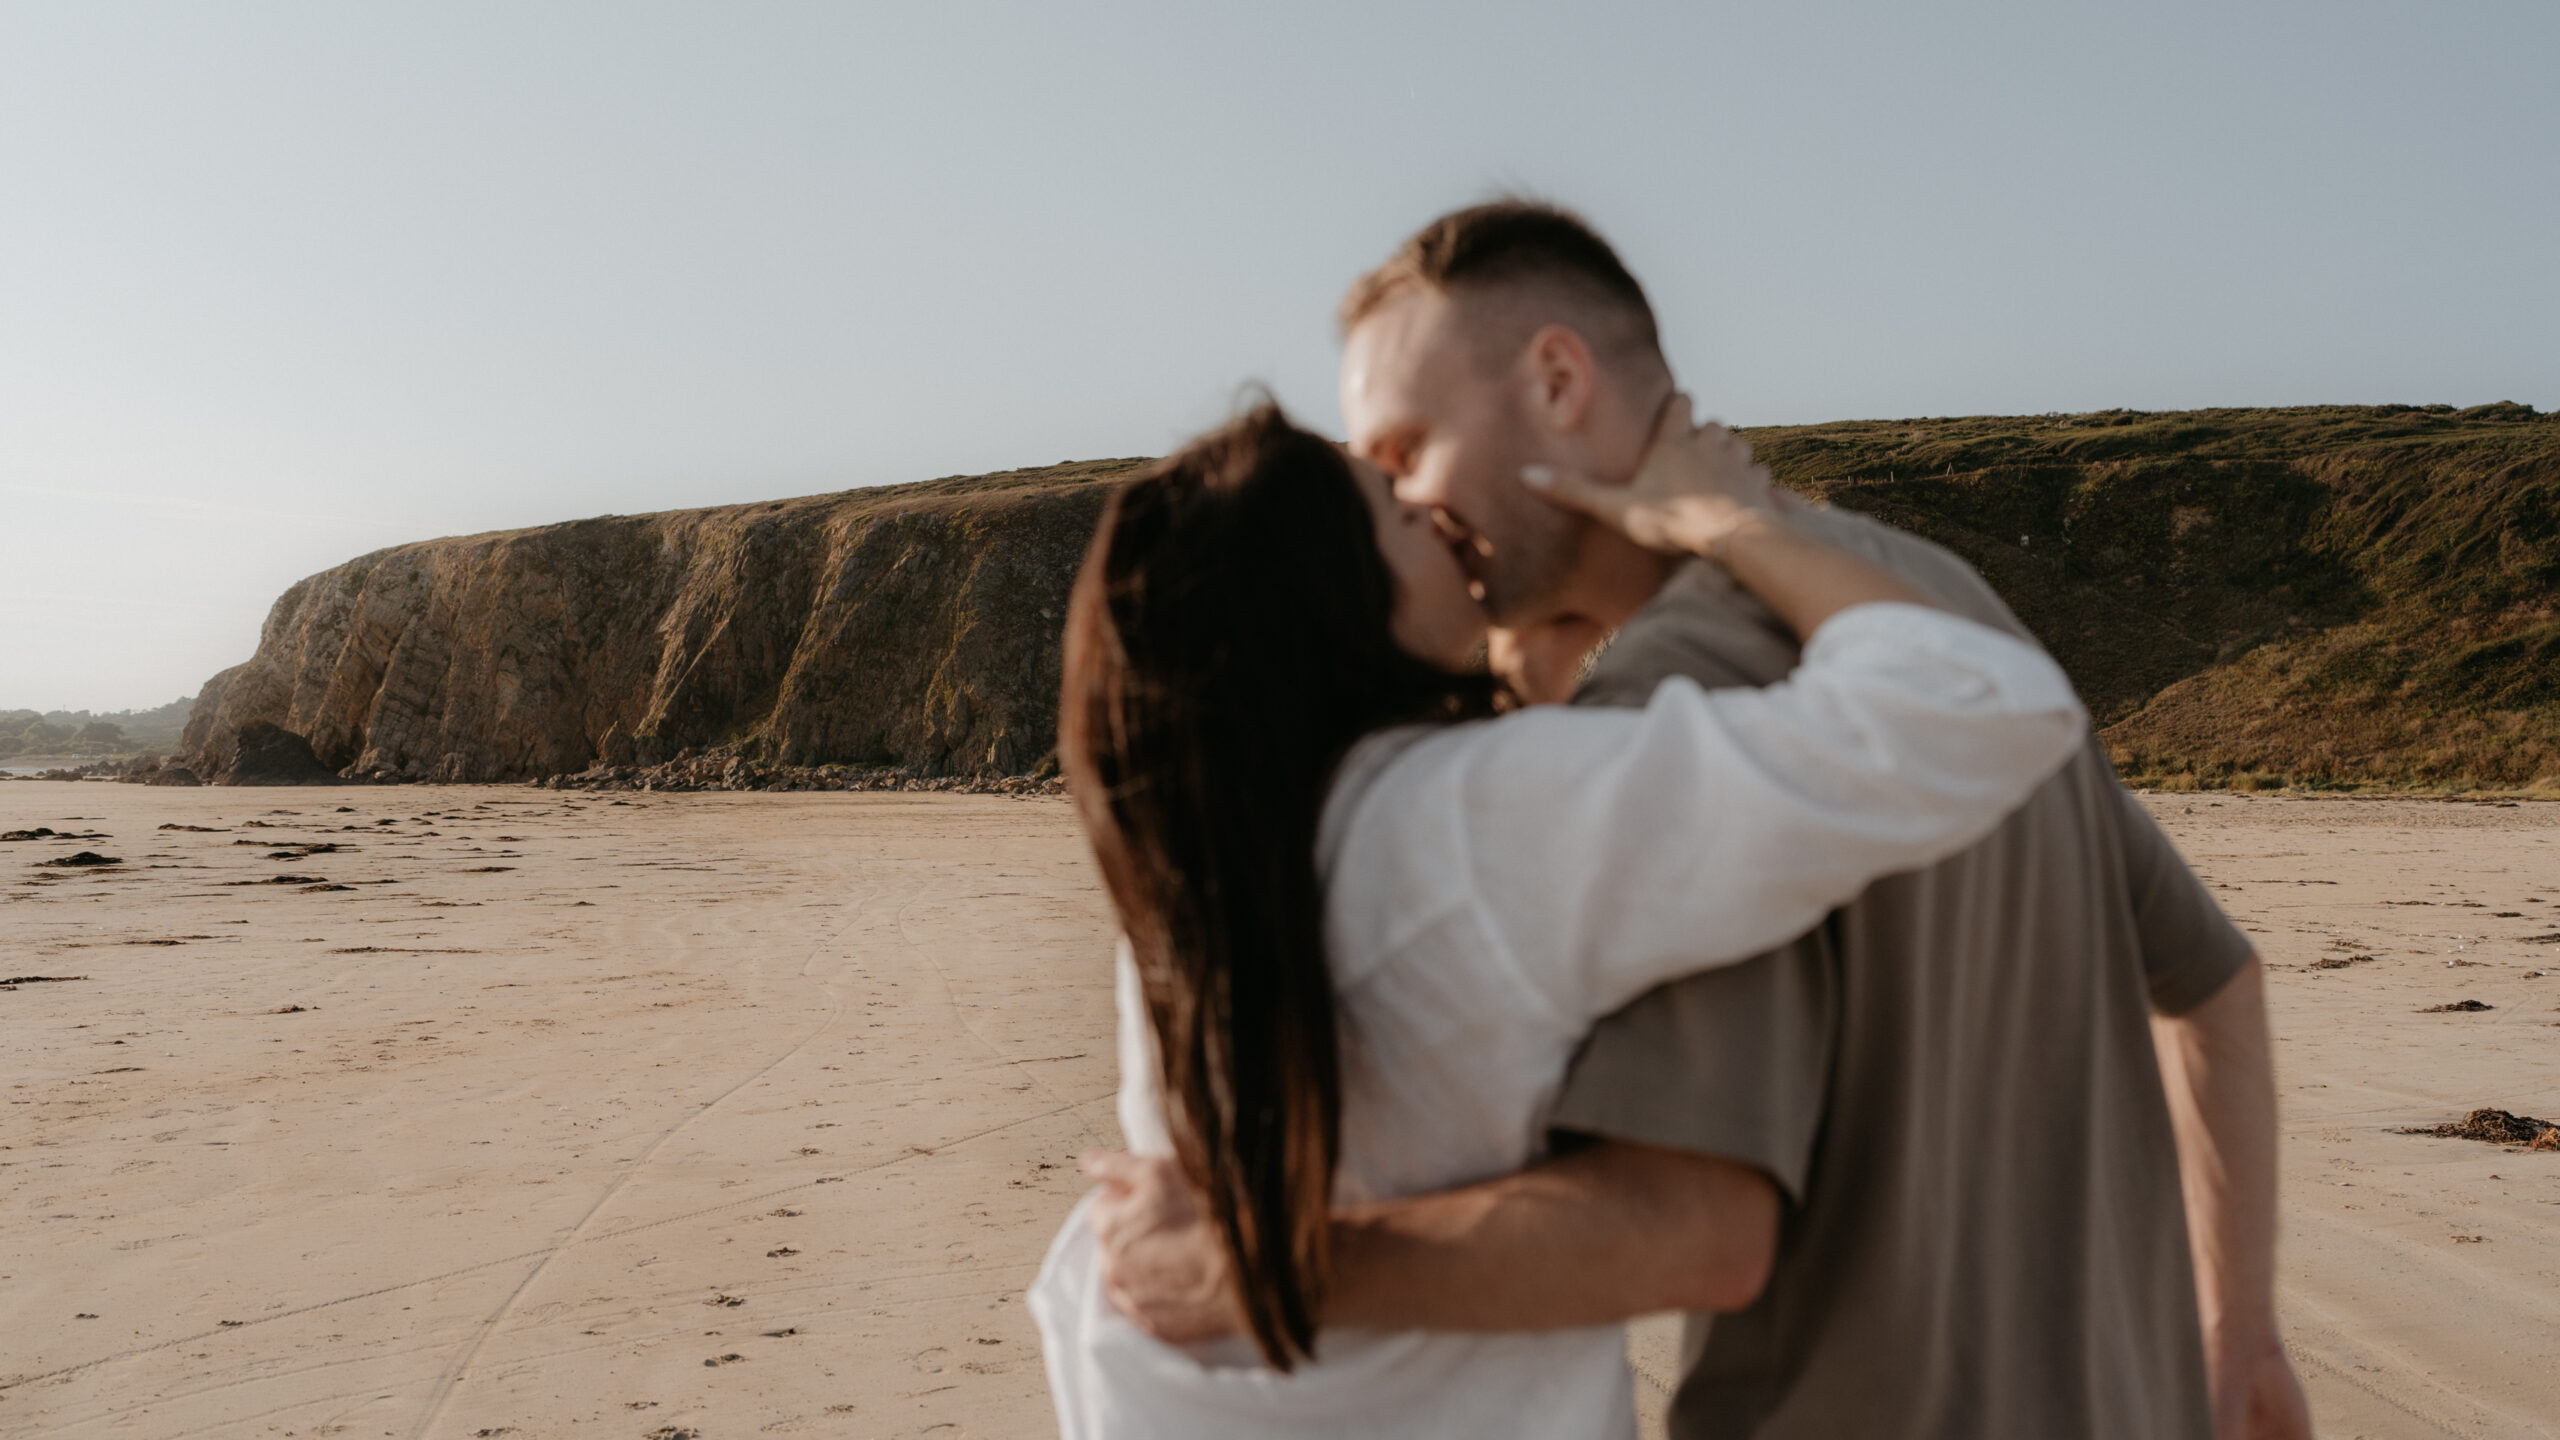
(1141, 1106)
(1614, 849)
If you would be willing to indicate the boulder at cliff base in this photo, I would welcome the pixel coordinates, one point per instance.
(268, 754)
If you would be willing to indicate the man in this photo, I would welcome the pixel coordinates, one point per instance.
(1930, 1157)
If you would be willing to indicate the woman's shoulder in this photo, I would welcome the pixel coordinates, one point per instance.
(1411, 776)
(1403, 799)
(1381, 764)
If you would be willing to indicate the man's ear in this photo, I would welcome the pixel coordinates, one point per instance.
(1561, 376)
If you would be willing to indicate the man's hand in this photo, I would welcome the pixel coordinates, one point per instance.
(2255, 1394)
(1163, 1264)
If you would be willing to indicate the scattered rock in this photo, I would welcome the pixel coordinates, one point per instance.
(151, 770)
(2498, 1127)
(730, 1359)
(722, 770)
(82, 859)
(2340, 962)
(2457, 1007)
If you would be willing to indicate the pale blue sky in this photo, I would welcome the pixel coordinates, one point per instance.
(282, 283)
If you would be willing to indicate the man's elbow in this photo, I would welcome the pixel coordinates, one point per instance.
(1738, 1259)
(1719, 1220)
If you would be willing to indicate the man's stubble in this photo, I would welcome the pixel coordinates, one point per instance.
(1536, 547)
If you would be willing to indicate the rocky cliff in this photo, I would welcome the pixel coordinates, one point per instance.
(914, 626)
(2317, 596)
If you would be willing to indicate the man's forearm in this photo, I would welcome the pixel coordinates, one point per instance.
(1611, 1231)
(2218, 1069)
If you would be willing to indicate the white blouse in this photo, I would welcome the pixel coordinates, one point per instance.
(1493, 888)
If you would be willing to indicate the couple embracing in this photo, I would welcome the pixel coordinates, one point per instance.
(1806, 968)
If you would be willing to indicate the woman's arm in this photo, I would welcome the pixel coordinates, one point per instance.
(1612, 850)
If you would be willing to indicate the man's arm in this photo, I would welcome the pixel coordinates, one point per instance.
(2219, 1072)
(1609, 1231)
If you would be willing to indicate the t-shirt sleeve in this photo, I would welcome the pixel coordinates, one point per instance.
(1615, 850)
(1733, 1063)
(2190, 949)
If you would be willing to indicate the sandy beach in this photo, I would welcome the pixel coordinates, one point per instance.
(521, 1113)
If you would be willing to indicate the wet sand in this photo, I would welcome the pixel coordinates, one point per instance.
(727, 1114)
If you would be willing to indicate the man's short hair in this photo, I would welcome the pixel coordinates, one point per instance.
(1509, 242)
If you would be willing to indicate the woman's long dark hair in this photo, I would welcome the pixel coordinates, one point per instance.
(1229, 637)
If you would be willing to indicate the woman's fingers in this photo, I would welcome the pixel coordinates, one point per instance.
(1691, 475)
(1576, 491)
(1619, 507)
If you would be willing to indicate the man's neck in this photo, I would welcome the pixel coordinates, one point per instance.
(1615, 577)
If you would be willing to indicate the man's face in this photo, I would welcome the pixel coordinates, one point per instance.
(1451, 428)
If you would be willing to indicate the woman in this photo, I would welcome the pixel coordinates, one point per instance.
(1365, 920)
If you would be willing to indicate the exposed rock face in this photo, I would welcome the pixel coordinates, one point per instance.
(2246, 597)
(914, 626)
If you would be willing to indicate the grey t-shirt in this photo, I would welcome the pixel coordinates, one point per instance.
(1953, 1081)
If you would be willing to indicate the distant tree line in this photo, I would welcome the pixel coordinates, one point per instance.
(83, 733)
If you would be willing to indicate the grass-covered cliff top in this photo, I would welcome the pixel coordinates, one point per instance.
(2329, 596)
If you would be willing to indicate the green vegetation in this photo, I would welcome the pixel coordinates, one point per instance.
(2323, 597)
(79, 733)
